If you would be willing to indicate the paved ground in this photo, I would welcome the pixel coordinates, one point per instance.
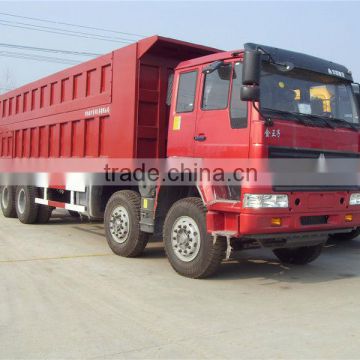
(64, 295)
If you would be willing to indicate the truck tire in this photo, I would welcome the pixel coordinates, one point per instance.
(299, 256)
(8, 201)
(44, 214)
(189, 247)
(26, 209)
(346, 236)
(122, 224)
(74, 214)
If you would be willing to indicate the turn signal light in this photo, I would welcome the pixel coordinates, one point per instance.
(276, 221)
(348, 218)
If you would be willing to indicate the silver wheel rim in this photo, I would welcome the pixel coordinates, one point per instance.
(21, 201)
(119, 224)
(185, 238)
(5, 197)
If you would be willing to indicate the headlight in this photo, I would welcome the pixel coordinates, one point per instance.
(256, 201)
(355, 199)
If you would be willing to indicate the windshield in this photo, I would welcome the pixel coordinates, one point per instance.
(308, 93)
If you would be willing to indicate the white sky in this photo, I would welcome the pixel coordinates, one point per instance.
(326, 29)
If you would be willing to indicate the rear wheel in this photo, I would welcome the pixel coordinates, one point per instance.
(8, 201)
(74, 214)
(122, 224)
(44, 214)
(299, 256)
(189, 248)
(346, 236)
(26, 209)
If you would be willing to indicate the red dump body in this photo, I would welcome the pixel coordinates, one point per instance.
(112, 106)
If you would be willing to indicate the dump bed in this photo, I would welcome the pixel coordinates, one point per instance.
(112, 106)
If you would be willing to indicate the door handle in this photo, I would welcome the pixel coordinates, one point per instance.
(200, 137)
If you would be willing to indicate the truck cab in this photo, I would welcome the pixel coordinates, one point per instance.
(264, 103)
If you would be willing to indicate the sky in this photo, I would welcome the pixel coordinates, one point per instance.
(325, 29)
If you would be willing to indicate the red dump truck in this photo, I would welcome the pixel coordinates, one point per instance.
(161, 98)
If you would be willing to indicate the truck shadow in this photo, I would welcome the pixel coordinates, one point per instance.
(338, 261)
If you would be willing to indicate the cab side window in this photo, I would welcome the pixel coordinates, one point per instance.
(238, 108)
(186, 92)
(216, 89)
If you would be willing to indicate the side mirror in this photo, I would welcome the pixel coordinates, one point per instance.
(251, 68)
(250, 93)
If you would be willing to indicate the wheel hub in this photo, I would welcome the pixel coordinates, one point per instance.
(185, 238)
(119, 224)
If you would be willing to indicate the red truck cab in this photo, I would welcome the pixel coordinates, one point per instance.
(293, 107)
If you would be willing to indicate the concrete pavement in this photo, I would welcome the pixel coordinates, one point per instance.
(64, 295)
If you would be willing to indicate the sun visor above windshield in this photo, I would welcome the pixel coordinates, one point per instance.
(303, 61)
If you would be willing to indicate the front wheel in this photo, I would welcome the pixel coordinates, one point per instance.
(300, 255)
(190, 249)
(346, 236)
(122, 224)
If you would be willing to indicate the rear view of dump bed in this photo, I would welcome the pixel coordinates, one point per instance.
(112, 106)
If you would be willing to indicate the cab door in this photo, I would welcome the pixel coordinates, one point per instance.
(183, 113)
(222, 127)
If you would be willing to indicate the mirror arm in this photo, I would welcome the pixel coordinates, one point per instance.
(271, 59)
(286, 66)
(268, 121)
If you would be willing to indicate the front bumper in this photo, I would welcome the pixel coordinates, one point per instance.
(257, 225)
(296, 239)
(252, 224)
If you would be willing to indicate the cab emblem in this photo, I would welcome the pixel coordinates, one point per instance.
(273, 133)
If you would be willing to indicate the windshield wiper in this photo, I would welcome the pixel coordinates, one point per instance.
(322, 118)
(300, 117)
(329, 121)
(287, 113)
(346, 123)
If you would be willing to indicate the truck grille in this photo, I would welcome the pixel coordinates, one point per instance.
(314, 220)
(280, 152)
